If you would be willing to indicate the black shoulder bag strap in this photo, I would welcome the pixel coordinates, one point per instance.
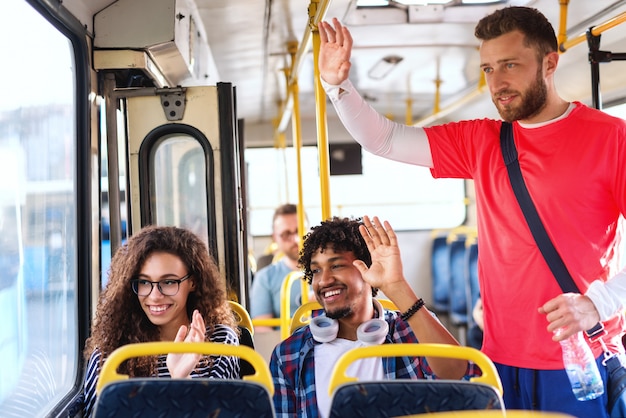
(550, 254)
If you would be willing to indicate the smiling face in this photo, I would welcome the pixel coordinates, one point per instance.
(166, 312)
(339, 287)
(515, 77)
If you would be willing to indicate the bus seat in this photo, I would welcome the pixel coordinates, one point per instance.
(440, 273)
(264, 261)
(302, 315)
(119, 396)
(407, 397)
(285, 300)
(459, 284)
(471, 272)
(242, 315)
(387, 304)
(285, 304)
(246, 334)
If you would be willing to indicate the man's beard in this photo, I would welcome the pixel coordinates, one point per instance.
(533, 101)
(339, 313)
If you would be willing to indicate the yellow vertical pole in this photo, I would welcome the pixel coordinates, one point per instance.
(437, 105)
(296, 133)
(562, 36)
(320, 113)
(296, 126)
(408, 115)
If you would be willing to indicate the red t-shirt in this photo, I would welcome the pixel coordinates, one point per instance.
(575, 171)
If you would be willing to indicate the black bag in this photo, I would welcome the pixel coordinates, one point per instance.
(615, 363)
(617, 386)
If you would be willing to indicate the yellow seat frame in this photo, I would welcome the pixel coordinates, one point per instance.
(489, 373)
(109, 373)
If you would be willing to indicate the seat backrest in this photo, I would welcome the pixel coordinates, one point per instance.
(246, 334)
(119, 396)
(398, 398)
(387, 304)
(147, 397)
(459, 283)
(245, 338)
(302, 315)
(243, 316)
(471, 272)
(440, 273)
(390, 398)
(285, 300)
(263, 261)
(285, 304)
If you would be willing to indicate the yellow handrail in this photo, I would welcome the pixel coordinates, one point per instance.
(266, 322)
(595, 31)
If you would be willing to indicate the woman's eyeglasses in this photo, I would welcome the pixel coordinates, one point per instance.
(168, 287)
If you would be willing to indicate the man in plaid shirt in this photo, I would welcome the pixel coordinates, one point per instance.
(346, 262)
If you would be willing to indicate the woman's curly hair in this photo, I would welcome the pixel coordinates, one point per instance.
(120, 319)
(338, 234)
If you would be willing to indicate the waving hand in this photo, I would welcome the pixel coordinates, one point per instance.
(386, 268)
(335, 48)
(181, 365)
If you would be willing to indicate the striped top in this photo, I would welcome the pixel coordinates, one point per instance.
(222, 367)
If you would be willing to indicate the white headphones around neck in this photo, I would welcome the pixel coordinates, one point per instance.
(372, 332)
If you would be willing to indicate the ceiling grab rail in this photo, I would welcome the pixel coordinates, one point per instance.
(596, 56)
(564, 45)
(317, 11)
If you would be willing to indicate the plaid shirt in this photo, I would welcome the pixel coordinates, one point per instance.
(292, 367)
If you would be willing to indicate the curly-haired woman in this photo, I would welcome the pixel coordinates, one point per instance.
(163, 286)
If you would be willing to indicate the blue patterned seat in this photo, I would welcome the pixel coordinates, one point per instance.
(183, 398)
(459, 282)
(393, 398)
(399, 398)
(440, 272)
(121, 397)
(471, 266)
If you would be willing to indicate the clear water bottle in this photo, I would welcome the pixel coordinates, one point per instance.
(581, 367)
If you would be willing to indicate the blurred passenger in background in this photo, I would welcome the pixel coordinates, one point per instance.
(265, 293)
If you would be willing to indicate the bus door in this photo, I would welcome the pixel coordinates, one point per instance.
(184, 169)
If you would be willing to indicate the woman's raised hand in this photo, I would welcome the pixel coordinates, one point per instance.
(182, 364)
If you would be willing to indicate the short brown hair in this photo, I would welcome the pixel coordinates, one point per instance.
(285, 209)
(537, 30)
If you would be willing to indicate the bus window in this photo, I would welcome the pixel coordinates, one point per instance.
(404, 194)
(179, 184)
(38, 336)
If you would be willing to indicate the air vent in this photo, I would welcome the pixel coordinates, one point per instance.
(169, 31)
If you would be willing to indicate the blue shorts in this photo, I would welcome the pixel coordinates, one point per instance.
(550, 391)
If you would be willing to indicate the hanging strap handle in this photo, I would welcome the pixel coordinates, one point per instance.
(549, 252)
